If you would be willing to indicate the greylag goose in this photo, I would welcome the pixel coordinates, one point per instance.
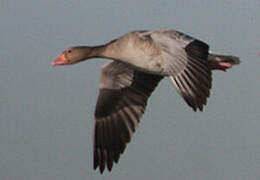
(140, 59)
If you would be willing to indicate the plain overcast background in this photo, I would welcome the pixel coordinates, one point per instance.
(46, 113)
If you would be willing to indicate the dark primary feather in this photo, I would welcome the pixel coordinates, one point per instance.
(118, 110)
(186, 62)
(194, 82)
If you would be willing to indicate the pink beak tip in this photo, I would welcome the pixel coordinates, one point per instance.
(59, 61)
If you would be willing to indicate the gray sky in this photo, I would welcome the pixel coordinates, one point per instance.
(46, 113)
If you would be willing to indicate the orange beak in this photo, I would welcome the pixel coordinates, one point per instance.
(61, 60)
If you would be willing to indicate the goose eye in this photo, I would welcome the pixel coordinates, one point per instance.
(69, 51)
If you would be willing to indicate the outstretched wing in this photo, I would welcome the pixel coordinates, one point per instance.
(122, 100)
(185, 61)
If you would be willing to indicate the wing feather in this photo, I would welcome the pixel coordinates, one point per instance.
(121, 103)
(186, 62)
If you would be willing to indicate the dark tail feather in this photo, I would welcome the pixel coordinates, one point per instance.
(222, 62)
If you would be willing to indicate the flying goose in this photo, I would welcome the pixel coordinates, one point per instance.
(140, 60)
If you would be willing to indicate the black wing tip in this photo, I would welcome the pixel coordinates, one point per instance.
(107, 165)
(109, 168)
(195, 108)
(101, 169)
(198, 106)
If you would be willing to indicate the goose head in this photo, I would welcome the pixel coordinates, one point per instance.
(74, 55)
